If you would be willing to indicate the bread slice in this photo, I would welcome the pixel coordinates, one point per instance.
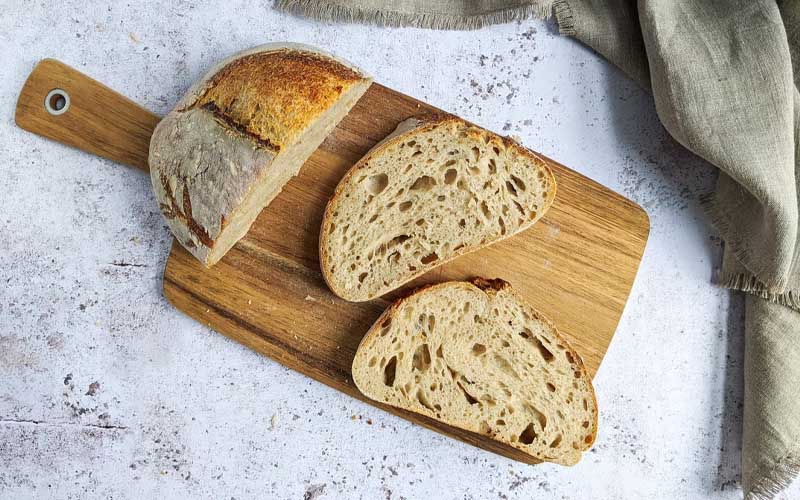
(239, 134)
(476, 356)
(431, 191)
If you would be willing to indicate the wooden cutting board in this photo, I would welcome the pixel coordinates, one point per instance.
(576, 265)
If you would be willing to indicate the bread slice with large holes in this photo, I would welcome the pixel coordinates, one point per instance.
(478, 357)
(429, 192)
(240, 134)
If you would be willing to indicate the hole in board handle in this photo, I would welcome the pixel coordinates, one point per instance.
(57, 102)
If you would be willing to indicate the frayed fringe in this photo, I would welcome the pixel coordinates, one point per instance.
(750, 284)
(324, 11)
(564, 18)
(777, 480)
(772, 286)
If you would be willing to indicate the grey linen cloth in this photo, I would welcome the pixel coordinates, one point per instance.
(724, 75)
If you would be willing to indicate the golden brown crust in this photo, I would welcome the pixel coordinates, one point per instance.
(427, 122)
(493, 287)
(272, 96)
(495, 284)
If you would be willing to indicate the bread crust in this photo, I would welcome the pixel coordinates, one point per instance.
(403, 132)
(222, 136)
(201, 84)
(491, 287)
(273, 95)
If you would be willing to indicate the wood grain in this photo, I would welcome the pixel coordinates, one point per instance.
(576, 265)
(98, 121)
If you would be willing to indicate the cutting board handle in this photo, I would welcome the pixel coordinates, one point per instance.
(63, 104)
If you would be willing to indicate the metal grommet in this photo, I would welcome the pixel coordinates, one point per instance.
(57, 102)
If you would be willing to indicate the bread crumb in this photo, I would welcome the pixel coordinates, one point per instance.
(133, 37)
(353, 417)
(497, 295)
(273, 422)
(310, 298)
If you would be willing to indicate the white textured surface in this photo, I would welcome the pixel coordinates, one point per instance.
(106, 391)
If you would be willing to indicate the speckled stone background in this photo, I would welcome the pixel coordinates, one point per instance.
(107, 392)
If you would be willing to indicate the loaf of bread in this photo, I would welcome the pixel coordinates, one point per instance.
(478, 357)
(239, 134)
(431, 191)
